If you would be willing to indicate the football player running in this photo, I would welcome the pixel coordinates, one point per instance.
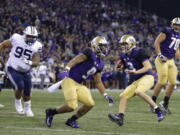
(167, 48)
(24, 54)
(135, 62)
(86, 63)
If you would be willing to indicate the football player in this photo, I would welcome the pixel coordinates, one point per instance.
(167, 48)
(24, 54)
(83, 65)
(2, 73)
(136, 62)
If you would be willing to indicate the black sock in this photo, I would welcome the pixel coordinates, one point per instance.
(53, 111)
(154, 98)
(157, 110)
(121, 115)
(166, 101)
(73, 118)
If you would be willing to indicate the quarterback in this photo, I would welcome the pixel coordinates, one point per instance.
(167, 48)
(80, 68)
(136, 62)
(24, 54)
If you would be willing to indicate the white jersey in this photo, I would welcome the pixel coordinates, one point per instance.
(21, 50)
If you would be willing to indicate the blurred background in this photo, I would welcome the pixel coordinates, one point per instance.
(67, 26)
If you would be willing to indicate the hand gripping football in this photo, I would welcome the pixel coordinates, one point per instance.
(119, 64)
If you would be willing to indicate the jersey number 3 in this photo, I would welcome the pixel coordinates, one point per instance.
(20, 51)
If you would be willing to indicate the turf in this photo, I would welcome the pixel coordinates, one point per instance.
(138, 119)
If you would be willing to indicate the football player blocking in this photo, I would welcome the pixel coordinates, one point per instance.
(136, 62)
(24, 54)
(167, 48)
(86, 63)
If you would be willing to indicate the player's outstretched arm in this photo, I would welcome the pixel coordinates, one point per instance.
(160, 38)
(146, 67)
(78, 59)
(5, 44)
(178, 53)
(35, 60)
(101, 88)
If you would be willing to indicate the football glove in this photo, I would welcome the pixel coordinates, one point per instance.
(109, 99)
(162, 58)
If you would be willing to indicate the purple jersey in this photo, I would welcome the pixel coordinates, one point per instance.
(62, 75)
(91, 66)
(170, 44)
(135, 61)
(106, 76)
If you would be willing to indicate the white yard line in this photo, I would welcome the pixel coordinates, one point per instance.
(62, 130)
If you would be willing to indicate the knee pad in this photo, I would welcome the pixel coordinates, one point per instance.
(73, 104)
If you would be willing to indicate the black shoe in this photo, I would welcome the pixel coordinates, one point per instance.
(49, 117)
(116, 118)
(164, 108)
(72, 123)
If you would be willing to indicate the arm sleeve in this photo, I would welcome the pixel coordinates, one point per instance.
(142, 56)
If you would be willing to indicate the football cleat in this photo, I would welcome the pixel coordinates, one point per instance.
(49, 117)
(165, 109)
(160, 116)
(27, 109)
(116, 118)
(72, 124)
(29, 113)
(18, 107)
(1, 106)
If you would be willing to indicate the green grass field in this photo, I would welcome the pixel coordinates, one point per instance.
(138, 119)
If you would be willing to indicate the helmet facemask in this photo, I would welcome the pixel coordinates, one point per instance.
(30, 39)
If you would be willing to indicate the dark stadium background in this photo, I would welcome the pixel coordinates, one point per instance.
(164, 8)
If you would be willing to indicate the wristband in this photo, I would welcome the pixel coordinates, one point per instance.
(30, 62)
(68, 68)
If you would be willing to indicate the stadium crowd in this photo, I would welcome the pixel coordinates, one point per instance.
(66, 27)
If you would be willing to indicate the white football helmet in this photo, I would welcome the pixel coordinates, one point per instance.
(31, 34)
(127, 42)
(175, 24)
(99, 45)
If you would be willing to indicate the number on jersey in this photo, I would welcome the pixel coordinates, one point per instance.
(25, 52)
(175, 43)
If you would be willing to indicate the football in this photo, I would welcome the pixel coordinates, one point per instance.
(119, 64)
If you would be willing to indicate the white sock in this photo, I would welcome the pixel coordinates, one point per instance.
(155, 107)
(18, 101)
(54, 87)
(27, 105)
